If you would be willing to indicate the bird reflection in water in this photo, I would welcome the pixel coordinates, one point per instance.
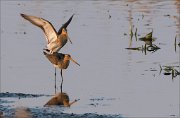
(61, 99)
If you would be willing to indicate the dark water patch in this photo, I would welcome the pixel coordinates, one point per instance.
(7, 111)
(5, 101)
(20, 95)
(153, 69)
(48, 113)
(166, 73)
(94, 104)
(135, 48)
(97, 99)
(20, 32)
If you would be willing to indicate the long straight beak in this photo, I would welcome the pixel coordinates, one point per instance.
(74, 61)
(69, 40)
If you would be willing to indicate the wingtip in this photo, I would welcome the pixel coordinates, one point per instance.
(65, 24)
(73, 14)
(71, 17)
(23, 15)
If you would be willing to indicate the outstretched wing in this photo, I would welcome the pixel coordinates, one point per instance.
(65, 25)
(46, 26)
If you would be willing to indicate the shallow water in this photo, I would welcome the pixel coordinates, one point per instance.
(111, 79)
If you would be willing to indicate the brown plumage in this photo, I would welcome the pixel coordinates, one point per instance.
(60, 61)
(55, 40)
(60, 99)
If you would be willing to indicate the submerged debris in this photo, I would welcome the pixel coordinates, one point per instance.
(97, 99)
(136, 48)
(142, 16)
(135, 32)
(167, 15)
(152, 47)
(175, 43)
(109, 16)
(147, 37)
(131, 31)
(170, 70)
(125, 34)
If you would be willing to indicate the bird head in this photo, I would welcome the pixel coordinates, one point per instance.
(68, 57)
(64, 31)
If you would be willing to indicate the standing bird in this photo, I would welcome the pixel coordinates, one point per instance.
(55, 40)
(60, 61)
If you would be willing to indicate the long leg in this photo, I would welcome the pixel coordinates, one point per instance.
(62, 80)
(55, 80)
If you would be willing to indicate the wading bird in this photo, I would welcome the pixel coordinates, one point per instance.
(55, 40)
(60, 61)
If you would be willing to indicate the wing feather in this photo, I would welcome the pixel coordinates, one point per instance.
(65, 25)
(55, 58)
(46, 26)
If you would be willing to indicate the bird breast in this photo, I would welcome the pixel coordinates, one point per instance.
(64, 64)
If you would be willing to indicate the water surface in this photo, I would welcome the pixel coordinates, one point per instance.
(111, 79)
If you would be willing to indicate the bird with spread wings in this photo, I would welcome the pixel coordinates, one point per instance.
(55, 40)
